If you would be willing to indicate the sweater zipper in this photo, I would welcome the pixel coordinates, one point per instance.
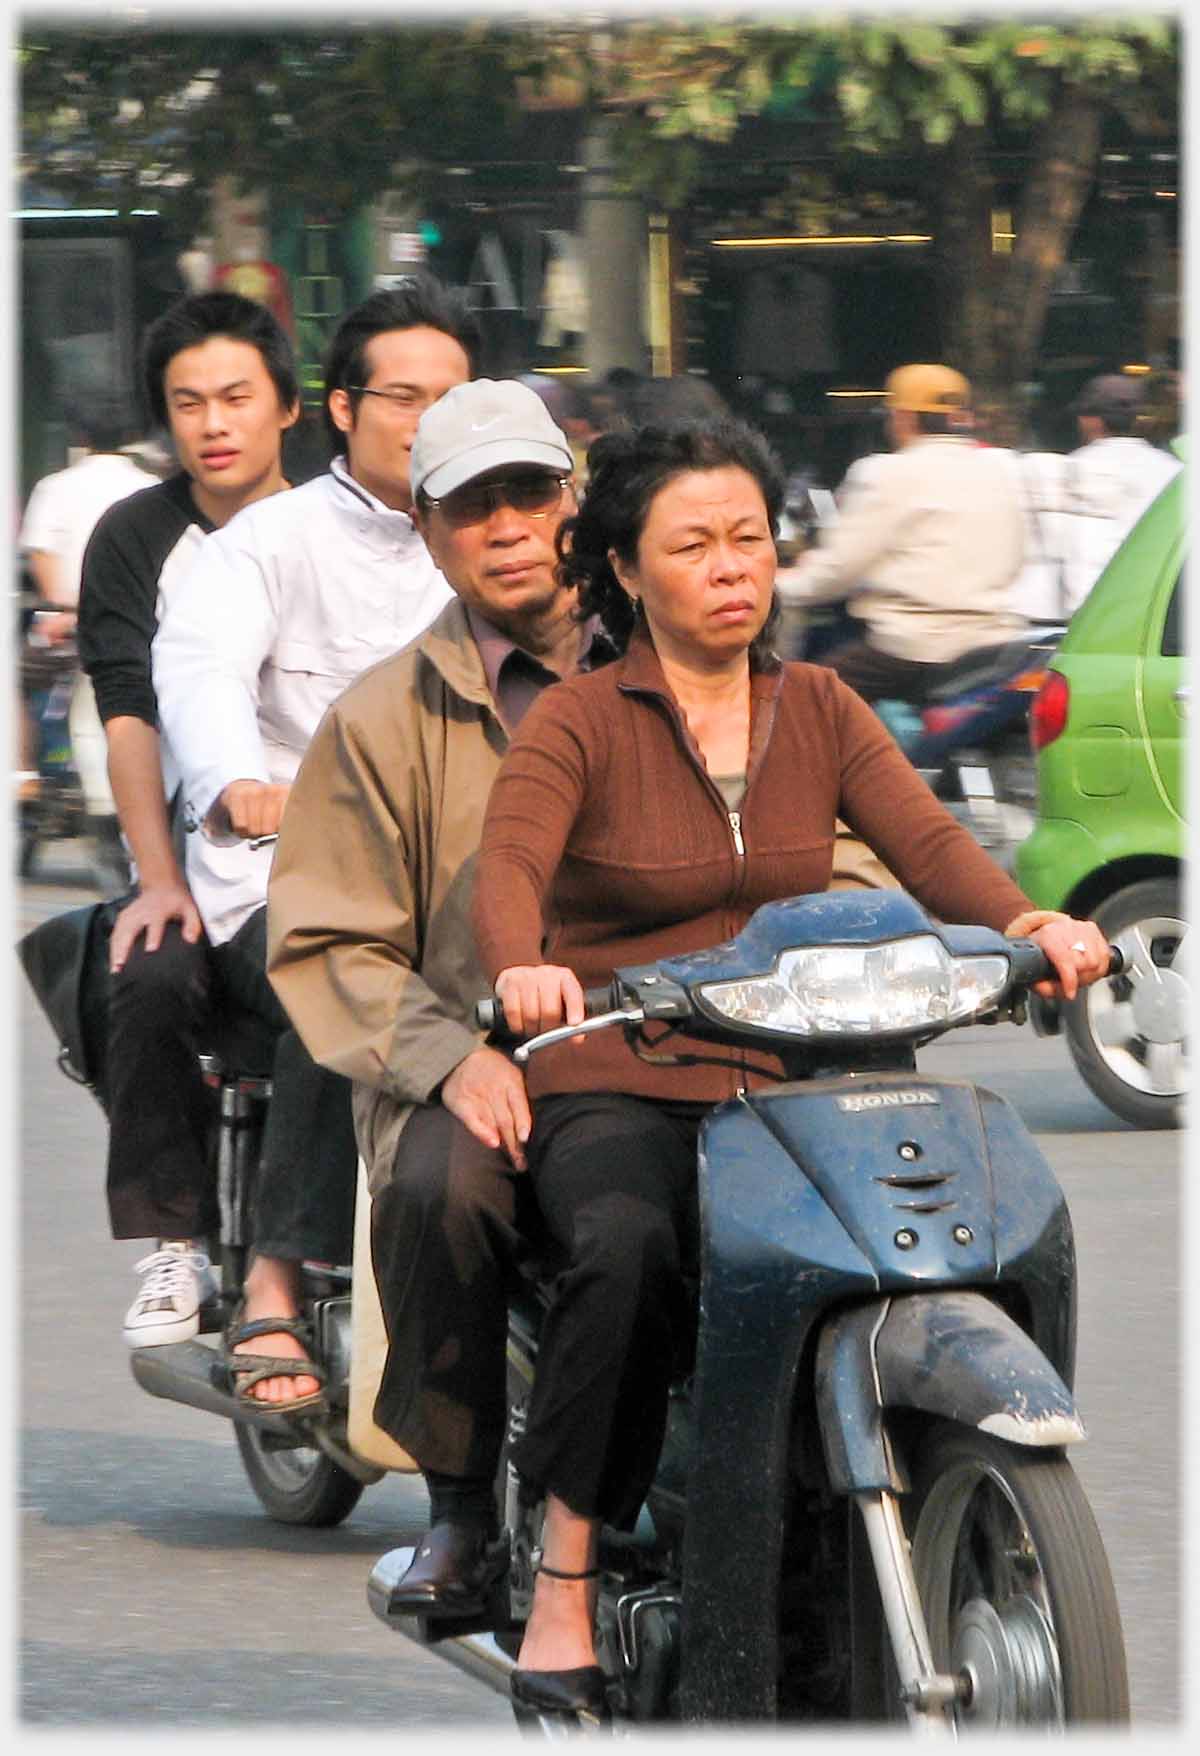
(735, 824)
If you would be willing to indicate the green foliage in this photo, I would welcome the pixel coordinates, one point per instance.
(328, 113)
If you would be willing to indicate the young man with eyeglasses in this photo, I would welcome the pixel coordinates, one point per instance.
(370, 947)
(283, 608)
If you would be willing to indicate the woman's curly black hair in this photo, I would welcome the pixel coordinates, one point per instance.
(626, 469)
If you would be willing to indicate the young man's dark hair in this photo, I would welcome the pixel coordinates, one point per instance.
(421, 301)
(197, 319)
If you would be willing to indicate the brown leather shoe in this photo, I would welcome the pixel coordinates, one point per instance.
(452, 1572)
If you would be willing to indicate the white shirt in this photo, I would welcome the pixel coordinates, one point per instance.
(65, 507)
(1107, 485)
(283, 607)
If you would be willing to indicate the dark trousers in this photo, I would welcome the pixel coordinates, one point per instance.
(160, 1181)
(306, 1175)
(609, 1206)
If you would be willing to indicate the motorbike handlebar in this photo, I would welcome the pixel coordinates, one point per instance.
(489, 1013)
(1030, 963)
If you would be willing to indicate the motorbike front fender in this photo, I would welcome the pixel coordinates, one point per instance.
(951, 1353)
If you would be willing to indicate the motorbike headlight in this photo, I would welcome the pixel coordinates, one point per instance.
(862, 990)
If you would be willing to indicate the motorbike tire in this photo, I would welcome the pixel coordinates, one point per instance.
(1015, 1584)
(1140, 1077)
(296, 1484)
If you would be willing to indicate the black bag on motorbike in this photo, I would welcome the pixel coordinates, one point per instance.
(66, 961)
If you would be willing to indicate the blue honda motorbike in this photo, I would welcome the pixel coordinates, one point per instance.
(864, 1509)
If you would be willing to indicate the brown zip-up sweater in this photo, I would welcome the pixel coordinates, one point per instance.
(606, 842)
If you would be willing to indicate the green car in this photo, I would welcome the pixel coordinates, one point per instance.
(1109, 725)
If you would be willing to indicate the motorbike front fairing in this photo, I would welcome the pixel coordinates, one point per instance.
(803, 1215)
(823, 1198)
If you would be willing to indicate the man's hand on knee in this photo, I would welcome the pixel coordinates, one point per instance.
(149, 913)
(249, 808)
(486, 1093)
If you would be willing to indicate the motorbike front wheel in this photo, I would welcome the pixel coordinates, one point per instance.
(1015, 1585)
(296, 1484)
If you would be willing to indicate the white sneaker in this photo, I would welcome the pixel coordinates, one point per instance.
(176, 1281)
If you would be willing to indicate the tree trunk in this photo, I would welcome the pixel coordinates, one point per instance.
(967, 270)
(613, 225)
(1056, 188)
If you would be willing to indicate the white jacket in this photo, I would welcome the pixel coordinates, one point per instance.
(926, 548)
(283, 607)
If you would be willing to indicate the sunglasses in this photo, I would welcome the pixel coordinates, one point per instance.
(534, 496)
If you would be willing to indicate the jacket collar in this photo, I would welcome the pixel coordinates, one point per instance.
(450, 648)
(339, 469)
(642, 674)
(641, 670)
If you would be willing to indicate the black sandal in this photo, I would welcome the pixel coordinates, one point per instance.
(247, 1370)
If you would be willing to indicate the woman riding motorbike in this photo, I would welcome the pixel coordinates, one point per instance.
(644, 811)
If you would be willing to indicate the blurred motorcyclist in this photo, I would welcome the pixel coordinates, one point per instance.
(1105, 484)
(61, 514)
(926, 547)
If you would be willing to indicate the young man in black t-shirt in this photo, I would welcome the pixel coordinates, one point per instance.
(219, 373)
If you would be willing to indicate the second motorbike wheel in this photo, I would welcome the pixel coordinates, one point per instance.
(1128, 1034)
(1015, 1585)
(296, 1484)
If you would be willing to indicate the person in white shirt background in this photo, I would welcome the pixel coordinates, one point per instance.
(1084, 504)
(61, 514)
(285, 606)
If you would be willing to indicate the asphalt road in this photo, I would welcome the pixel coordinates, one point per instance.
(151, 1592)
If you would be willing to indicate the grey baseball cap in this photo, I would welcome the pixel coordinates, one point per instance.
(480, 426)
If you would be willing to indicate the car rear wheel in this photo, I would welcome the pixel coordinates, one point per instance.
(1128, 1033)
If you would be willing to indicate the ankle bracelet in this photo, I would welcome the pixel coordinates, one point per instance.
(557, 1572)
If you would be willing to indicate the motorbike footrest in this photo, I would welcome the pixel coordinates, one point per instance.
(430, 1627)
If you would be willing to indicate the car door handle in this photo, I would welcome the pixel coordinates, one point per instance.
(1183, 694)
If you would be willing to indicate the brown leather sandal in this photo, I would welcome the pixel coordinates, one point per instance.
(247, 1370)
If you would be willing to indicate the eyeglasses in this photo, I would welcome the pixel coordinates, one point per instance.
(534, 496)
(404, 402)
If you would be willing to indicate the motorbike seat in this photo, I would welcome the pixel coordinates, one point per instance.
(239, 1045)
(979, 667)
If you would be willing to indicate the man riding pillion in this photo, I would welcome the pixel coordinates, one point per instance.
(279, 613)
(218, 374)
(370, 946)
(925, 552)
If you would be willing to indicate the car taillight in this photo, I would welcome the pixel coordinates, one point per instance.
(1048, 715)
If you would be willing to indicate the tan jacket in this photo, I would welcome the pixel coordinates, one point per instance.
(369, 943)
(931, 546)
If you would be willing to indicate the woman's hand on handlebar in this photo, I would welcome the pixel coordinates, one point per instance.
(1079, 952)
(539, 997)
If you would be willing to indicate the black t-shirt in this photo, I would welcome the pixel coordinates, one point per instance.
(135, 550)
